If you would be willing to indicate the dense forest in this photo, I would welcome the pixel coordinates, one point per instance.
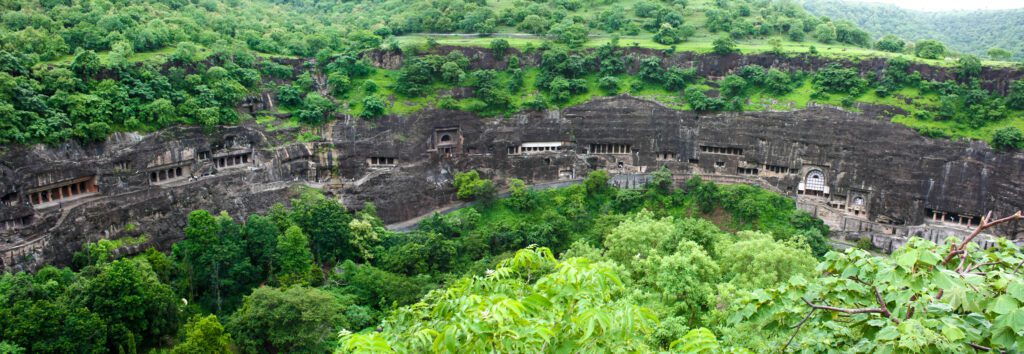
(699, 268)
(985, 33)
(84, 69)
(586, 268)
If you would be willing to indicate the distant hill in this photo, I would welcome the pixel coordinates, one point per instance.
(973, 32)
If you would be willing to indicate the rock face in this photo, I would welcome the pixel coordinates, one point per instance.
(862, 175)
(715, 66)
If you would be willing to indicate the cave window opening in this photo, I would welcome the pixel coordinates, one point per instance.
(382, 161)
(9, 199)
(814, 183)
(63, 190)
(746, 171)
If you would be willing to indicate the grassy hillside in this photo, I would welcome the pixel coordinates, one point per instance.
(79, 70)
(971, 32)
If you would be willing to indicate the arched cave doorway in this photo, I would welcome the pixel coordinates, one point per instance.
(814, 182)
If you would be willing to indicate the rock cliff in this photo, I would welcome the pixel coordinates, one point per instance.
(860, 174)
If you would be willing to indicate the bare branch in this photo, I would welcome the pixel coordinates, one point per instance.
(881, 303)
(975, 267)
(963, 259)
(844, 310)
(982, 347)
(798, 326)
(986, 222)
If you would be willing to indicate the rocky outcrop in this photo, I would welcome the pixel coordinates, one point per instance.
(857, 172)
(715, 66)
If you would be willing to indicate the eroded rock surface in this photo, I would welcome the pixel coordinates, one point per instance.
(862, 175)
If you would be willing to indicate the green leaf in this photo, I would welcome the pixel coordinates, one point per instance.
(907, 260)
(1016, 289)
(929, 258)
(952, 333)
(1003, 305)
(887, 334)
(943, 279)
(1014, 320)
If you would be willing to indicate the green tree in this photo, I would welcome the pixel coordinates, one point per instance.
(596, 182)
(499, 47)
(930, 49)
(316, 109)
(756, 260)
(529, 303)
(609, 83)
(292, 259)
(373, 107)
(325, 221)
(291, 320)
(204, 335)
(724, 45)
(684, 280)
(261, 242)
(86, 64)
(637, 238)
(129, 298)
(1015, 98)
(452, 73)
(186, 53)
(50, 326)
(533, 24)
(968, 67)
(999, 54)
(216, 268)
(733, 86)
(469, 186)
(1008, 138)
(825, 32)
(668, 34)
(891, 43)
(699, 101)
(520, 197)
(339, 82)
(365, 236)
(569, 33)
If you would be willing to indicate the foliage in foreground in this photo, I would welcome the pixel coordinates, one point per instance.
(924, 298)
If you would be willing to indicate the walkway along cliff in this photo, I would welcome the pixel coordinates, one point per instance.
(863, 176)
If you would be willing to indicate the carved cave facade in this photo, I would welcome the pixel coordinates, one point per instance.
(898, 185)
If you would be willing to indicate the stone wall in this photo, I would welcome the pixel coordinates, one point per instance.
(898, 176)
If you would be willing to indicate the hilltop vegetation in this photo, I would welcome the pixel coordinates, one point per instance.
(83, 69)
(985, 33)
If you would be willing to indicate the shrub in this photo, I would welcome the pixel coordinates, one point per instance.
(724, 45)
(373, 107)
(1008, 138)
(837, 79)
(470, 187)
(930, 49)
(609, 83)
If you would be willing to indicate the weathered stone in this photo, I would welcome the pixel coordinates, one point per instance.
(898, 175)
